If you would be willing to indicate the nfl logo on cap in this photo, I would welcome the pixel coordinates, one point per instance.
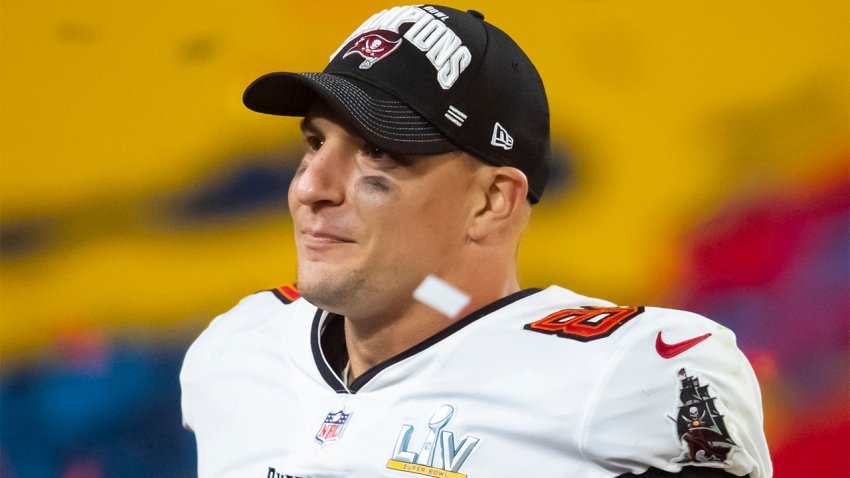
(332, 428)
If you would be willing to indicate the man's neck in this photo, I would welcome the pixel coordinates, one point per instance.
(375, 339)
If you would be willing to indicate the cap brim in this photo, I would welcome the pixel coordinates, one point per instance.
(380, 118)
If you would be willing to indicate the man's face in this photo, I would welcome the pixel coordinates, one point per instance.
(369, 226)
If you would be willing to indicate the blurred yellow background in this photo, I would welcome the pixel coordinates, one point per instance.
(107, 105)
(112, 113)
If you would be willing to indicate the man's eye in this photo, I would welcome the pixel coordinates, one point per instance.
(384, 158)
(313, 143)
(376, 153)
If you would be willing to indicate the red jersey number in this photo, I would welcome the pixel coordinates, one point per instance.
(585, 324)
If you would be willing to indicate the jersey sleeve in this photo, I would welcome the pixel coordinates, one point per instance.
(676, 393)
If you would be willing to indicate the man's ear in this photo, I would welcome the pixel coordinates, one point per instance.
(503, 193)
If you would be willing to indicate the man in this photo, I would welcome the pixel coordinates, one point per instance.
(409, 348)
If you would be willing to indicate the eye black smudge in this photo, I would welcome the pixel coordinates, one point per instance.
(376, 183)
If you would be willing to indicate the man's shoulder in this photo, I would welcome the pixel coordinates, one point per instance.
(256, 317)
(626, 372)
(555, 326)
(644, 362)
(259, 307)
(560, 312)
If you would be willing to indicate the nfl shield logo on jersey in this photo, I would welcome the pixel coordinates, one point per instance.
(333, 426)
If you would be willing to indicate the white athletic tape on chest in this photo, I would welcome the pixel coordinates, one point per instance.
(441, 296)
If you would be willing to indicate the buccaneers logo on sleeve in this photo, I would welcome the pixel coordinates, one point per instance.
(700, 426)
(585, 324)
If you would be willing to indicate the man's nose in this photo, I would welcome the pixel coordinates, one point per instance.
(322, 179)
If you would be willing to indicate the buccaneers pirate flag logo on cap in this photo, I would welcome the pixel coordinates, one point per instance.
(373, 46)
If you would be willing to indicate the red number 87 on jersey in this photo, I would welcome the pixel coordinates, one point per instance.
(585, 324)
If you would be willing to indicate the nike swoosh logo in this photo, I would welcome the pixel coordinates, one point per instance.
(669, 351)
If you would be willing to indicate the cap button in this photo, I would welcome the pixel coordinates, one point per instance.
(476, 14)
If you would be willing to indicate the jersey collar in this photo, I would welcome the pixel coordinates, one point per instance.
(327, 340)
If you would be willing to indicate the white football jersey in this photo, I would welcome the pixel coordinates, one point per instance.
(543, 383)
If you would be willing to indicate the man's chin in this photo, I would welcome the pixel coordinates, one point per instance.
(332, 292)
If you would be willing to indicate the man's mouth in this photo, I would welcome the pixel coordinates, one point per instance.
(317, 238)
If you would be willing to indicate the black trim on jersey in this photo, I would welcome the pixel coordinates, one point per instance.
(331, 377)
(687, 472)
(327, 374)
(332, 342)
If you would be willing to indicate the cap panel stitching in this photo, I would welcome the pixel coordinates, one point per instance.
(364, 99)
(363, 108)
(334, 82)
(357, 111)
(359, 106)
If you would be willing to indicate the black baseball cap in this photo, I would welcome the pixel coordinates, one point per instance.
(428, 79)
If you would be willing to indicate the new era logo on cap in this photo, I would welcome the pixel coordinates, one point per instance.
(501, 138)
